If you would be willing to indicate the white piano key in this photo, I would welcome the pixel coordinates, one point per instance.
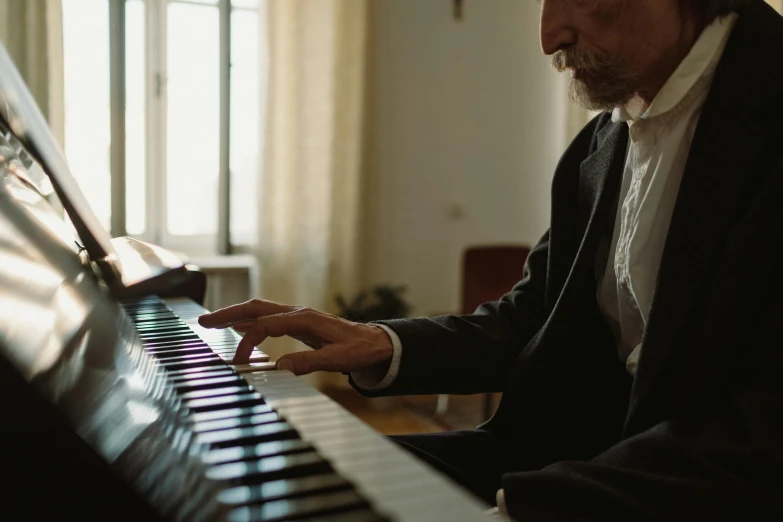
(189, 313)
(396, 483)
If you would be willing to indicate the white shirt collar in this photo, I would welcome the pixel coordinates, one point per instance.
(700, 63)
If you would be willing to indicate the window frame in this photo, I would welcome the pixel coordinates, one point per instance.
(156, 125)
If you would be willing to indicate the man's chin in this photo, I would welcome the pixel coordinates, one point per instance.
(596, 98)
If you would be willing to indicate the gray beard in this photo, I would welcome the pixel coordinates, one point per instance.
(598, 97)
(604, 83)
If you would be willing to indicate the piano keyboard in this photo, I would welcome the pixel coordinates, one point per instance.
(280, 449)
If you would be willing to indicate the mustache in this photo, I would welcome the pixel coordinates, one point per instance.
(601, 81)
(588, 63)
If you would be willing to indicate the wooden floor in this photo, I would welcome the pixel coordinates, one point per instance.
(403, 415)
(390, 416)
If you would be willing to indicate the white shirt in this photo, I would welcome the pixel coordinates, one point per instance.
(659, 145)
(660, 141)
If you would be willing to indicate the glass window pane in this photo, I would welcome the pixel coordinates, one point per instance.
(247, 92)
(135, 99)
(193, 119)
(244, 4)
(87, 105)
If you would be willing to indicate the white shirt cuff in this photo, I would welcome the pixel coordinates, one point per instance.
(501, 500)
(371, 379)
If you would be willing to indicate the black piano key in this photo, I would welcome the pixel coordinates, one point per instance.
(247, 436)
(241, 429)
(174, 348)
(182, 363)
(299, 508)
(156, 340)
(161, 342)
(183, 330)
(282, 489)
(184, 354)
(162, 326)
(173, 355)
(171, 331)
(191, 360)
(254, 452)
(197, 365)
(171, 345)
(227, 351)
(270, 468)
(230, 413)
(237, 422)
(186, 375)
(228, 401)
(222, 342)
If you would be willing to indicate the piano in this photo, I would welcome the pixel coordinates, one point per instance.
(116, 405)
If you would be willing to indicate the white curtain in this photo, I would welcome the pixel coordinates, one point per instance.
(31, 31)
(309, 197)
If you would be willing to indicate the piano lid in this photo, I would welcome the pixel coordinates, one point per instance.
(127, 266)
(21, 115)
(68, 338)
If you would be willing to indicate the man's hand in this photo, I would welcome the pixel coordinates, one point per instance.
(339, 345)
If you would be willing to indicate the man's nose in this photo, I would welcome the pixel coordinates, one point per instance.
(557, 30)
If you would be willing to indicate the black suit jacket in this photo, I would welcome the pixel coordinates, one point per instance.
(697, 434)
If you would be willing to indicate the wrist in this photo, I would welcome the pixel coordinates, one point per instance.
(381, 346)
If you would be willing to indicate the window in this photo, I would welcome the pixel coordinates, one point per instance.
(188, 116)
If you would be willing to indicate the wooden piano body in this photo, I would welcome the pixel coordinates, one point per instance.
(124, 409)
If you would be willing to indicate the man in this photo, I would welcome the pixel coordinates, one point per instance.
(640, 359)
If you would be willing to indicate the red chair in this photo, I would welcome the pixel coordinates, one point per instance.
(488, 272)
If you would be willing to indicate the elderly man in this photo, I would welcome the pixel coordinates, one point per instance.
(641, 357)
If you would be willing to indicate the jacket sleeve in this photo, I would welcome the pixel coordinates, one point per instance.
(720, 463)
(473, 353)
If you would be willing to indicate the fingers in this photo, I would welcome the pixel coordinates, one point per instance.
(243, 326)
(243, 312)
(301, 323)
(338, 357)
(302, 363)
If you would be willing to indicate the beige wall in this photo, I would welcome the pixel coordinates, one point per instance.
(466, 125)
(777, 4)
(466, 128)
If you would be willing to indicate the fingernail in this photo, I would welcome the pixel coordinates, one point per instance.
(285, 364)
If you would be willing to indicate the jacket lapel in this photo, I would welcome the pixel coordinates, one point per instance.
(726, 144)
(599, 182)
(600, 173)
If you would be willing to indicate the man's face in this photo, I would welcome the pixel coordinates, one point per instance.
(612, 48)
